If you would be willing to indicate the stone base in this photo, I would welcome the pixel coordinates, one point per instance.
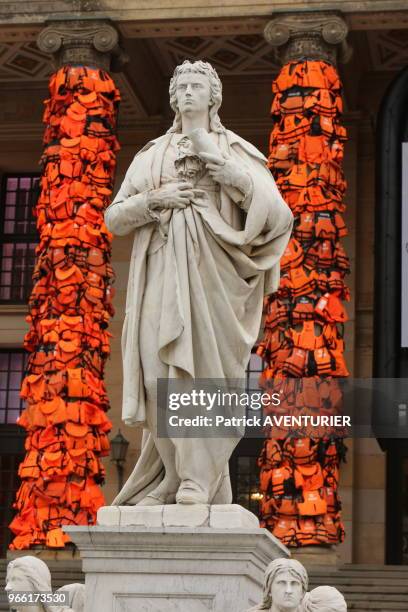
(227, 516)
(311, 556)
(47, 554)
(174, 568)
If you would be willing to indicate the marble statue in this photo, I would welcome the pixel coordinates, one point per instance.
(285, 585)
(324, 599)
(209, 230)
(76, 595)
(31, 575)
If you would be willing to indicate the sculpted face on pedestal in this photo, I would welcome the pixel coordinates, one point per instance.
(285, 585)
(31, 575)
(286, 592)
(27, 574)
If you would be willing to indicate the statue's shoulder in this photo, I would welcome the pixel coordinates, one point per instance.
(152, 143)
(248, 147)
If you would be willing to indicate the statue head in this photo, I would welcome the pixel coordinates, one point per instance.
(28, 573)
(76, 595)
(324, 599)
(285, 584)
(209, 90)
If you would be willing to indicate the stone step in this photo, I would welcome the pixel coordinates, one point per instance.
(400, 570)
(374, 585)
(358, 596)
(378, 606)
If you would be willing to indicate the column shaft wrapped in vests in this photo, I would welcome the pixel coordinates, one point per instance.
(303, 336)
(70, 307)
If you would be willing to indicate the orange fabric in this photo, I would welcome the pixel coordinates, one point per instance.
(312, 505)
(70, 307)
(304, 319)
(300, 451)
(309, 477)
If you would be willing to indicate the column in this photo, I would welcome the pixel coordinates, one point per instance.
(71, 302)
(305, 318)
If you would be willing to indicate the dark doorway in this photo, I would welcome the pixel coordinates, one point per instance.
(11, 454)
(390, 352)
(245, 474)
(397, 504)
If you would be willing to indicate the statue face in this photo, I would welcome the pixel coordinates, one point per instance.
(193, 93)
(17, 581)
(286, 592)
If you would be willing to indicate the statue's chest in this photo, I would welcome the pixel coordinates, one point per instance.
(181, 162)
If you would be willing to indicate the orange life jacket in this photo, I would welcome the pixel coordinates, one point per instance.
(304, 308)
(295, 363)
(309, 477)
(279, 479)
(285, 530)
(310, 532)
(305, 227)
(307, 338)
(330, 308)
(292, 256)
(302, 451)
(313, 504)
(286, 506)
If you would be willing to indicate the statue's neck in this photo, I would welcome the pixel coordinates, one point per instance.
(192, 122)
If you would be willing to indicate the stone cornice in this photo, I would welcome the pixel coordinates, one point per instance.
(22, 21)
(39, 11)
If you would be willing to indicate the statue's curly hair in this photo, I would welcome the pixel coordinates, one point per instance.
(199, 67)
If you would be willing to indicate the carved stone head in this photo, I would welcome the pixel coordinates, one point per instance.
(202, 69)
(28, 574)
(324, 599)
(285, 585)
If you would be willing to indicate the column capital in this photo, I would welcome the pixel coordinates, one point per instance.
(80, 41)
(316, 35)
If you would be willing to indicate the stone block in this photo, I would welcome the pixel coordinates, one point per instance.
(108, 515)
(173, 569)
(232, 517)
(226, 516)
(179, 515)
(148, 516)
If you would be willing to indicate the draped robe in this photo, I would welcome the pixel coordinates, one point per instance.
(218, 263)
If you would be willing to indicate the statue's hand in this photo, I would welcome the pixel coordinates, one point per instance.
(176, 194)
(226, 171)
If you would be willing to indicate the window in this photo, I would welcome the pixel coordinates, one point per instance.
(405, 513)
(18, 236)
(9, 483)
(247, 484)
(243, 463)
(255, 366)
(12, 369)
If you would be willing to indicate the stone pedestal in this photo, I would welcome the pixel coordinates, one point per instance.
(186, 559)
(316, 556)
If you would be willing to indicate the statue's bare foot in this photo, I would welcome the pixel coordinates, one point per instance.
(164, 493)
(191, 493)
